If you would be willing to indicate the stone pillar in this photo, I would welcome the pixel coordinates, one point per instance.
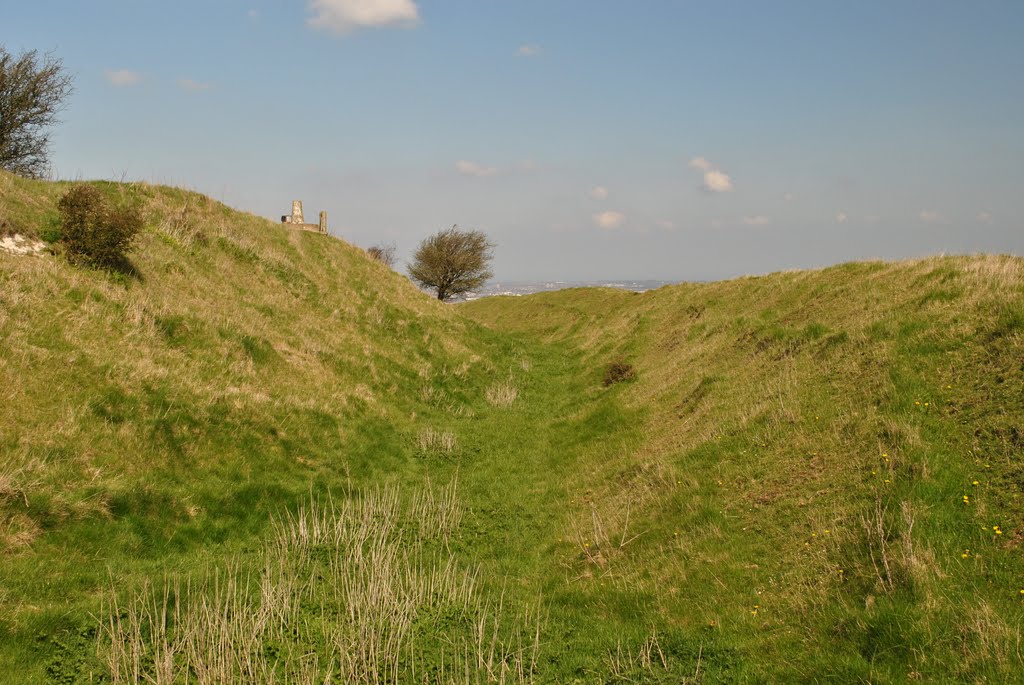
(323, 222)
(297, 212)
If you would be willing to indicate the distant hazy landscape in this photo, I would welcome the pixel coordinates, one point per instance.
(520, 288)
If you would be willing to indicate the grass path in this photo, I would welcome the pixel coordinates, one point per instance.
(522, 481)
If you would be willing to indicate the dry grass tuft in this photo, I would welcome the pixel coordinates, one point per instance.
(182, 224)
(986, 637)
(430, 441)
(339, 597)
(17, 532)
(502, 395)
(999, 272)
(625, 665)
(602, 538)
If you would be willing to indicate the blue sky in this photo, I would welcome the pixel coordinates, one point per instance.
(590, 140)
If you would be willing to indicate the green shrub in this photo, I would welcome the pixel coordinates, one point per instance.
(618, 371)
(95, 233)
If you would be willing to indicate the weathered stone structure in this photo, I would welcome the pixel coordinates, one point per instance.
(297, 220)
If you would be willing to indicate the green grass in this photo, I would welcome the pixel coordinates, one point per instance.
(775, 496)
(802, 467)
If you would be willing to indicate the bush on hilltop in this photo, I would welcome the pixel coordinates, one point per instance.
(95, 233)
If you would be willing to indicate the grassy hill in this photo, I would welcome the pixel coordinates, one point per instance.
(825, 476)
(263, 457)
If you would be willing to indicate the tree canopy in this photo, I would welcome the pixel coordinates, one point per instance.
(452, 262)
(33, 89)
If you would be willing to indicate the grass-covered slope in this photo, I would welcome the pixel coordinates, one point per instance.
(237, 350)
(155, 422)
(260, 456)
(826, 483)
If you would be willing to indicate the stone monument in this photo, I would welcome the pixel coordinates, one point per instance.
(298, 220)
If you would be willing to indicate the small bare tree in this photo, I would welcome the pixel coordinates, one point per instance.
(385, 254)
(33, 89)
(452, 262)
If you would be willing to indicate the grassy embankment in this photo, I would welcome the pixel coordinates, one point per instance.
(829, 473)
(155, 424)
(329, 472)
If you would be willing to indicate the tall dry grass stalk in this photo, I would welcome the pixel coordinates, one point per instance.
(649, 657)
(342, 598)
(431, 441)
(502, 394)
(603, 538)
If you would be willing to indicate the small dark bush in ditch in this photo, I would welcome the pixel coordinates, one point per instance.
(95, 233)
(618, 371)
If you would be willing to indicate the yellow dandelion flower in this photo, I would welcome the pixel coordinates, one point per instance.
(975, 483)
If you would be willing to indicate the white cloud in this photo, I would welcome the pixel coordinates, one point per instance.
(599, 192)
(715, 181)
(931, 217)
(253, 14)
(758, 220)
(609, 220)
(468, 168)
(666, 224)
(123, 78)
(983, 217)
(700, 163)
(788, 197)
(189, 84)
(842, 217)
(529, 51)
(344, 16)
